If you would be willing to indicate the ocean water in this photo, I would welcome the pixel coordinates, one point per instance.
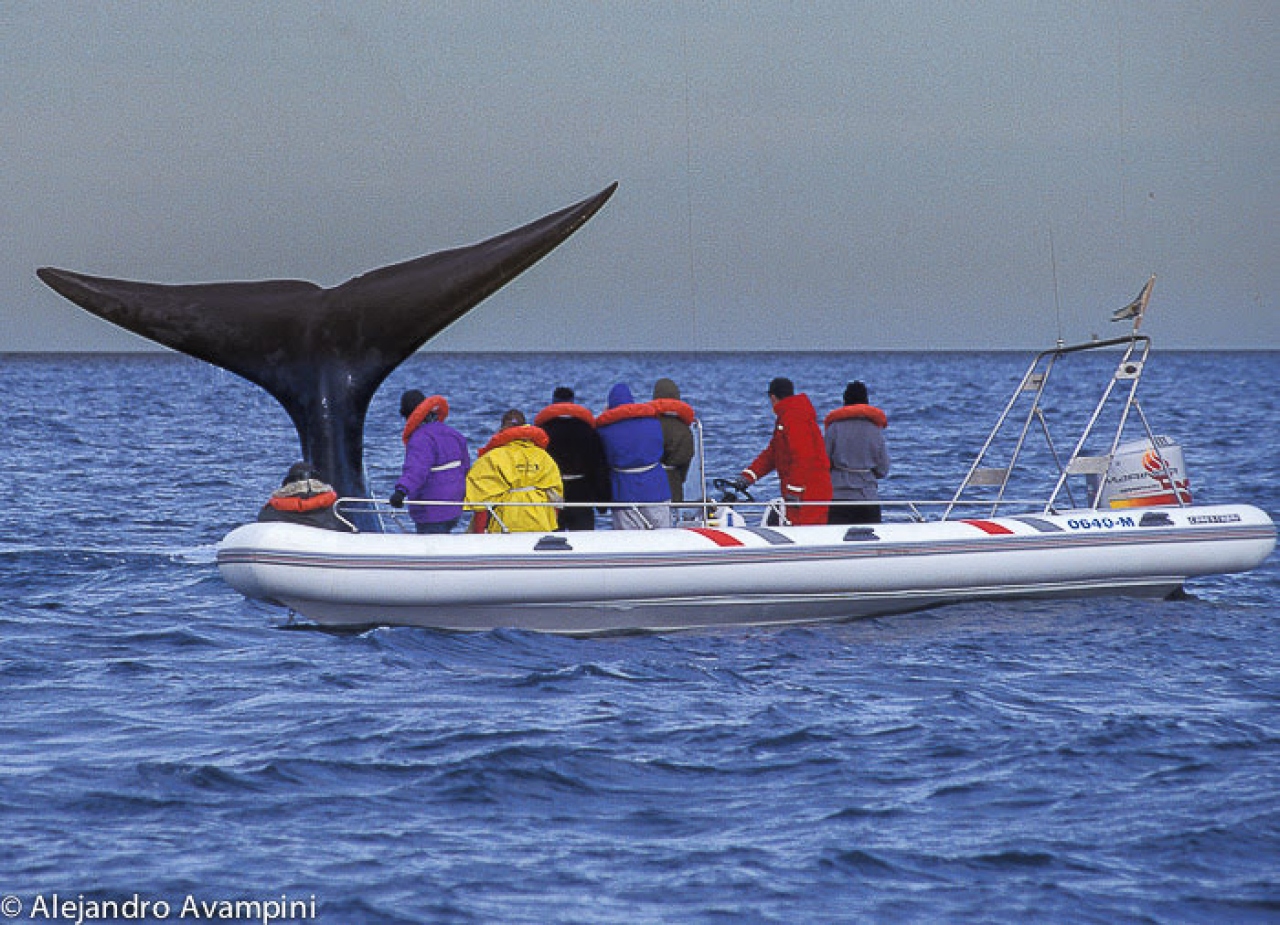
(163, 741)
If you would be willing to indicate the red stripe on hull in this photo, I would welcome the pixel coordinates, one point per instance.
(719, 537)
(987, 526)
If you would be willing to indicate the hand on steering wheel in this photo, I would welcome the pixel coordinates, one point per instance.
(732, 490)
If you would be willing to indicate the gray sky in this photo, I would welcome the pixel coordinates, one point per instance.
(799, 175)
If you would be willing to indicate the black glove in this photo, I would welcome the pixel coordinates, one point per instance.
(397, 498)
(739, 484)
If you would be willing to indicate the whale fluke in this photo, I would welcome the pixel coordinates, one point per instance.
(323, 352)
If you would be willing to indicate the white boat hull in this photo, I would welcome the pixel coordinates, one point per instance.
(616, 581)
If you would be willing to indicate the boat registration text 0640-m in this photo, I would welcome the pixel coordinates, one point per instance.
(1100, 523)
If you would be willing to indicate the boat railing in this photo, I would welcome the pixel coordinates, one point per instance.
(702, 513)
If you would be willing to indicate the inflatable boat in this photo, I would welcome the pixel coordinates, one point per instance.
(691, 577)
(1116, 517)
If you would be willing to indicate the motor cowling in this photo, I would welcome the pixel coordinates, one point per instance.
(1143, 474)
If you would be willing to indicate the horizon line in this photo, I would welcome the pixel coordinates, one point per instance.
(633, 351)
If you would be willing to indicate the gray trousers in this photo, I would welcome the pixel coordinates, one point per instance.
(641, 517)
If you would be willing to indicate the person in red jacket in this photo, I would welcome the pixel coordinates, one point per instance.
(798, 453)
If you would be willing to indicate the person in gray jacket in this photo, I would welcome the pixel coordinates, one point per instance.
(676, 418)
(854, 436)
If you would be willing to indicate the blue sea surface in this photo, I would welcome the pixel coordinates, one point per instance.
(161, 738)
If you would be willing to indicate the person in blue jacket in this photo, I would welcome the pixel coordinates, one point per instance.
(632, 438)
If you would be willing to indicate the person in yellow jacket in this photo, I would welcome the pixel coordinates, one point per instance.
(514, 466)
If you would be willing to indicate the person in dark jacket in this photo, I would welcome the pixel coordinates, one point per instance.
(304, 498)
(855, 446)
(676, 418)
(576, 448)
(798, 453)
(632, 439)
(436, 460)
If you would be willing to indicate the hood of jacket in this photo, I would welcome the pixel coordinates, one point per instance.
(795, 408)
(620, 394)
(666, 388)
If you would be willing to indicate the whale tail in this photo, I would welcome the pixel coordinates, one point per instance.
(323, 352)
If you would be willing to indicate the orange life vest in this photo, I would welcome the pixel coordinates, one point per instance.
(528, 432)
(849, 412)
(626, 412)
(303, 504)
(437, 403)
(564, 409)
(673, 407)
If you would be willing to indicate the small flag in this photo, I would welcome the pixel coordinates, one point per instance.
(1135, 308)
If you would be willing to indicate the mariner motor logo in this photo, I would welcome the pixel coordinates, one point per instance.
(1154, 463)
(1163, 471)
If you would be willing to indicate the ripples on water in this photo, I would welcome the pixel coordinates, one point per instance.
(1079, 761)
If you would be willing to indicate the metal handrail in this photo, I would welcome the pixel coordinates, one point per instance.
(709, 509)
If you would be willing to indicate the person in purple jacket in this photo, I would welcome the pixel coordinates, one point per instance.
(436, 461)
(632, 438)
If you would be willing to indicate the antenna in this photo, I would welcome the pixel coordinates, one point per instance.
(1124, 191)
(688, 188)
(1057, 305)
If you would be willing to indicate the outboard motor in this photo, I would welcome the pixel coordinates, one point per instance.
(1142, 475)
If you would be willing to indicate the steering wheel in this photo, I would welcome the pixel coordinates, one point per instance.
(730, 492)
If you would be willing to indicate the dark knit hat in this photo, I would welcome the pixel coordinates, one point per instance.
(300, 472)
(409, 401)
(855, 393)
(781, 388)
(562, 394)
